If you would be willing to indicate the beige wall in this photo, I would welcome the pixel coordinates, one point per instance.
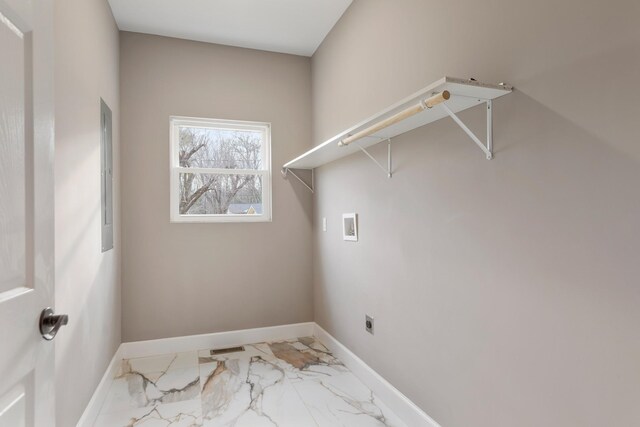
(182, 279)
(87, 281)
(505, 292)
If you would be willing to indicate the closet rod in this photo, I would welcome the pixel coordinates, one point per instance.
(398, 117)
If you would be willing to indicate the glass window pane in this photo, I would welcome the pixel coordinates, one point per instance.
(214, 194)
(220, 148)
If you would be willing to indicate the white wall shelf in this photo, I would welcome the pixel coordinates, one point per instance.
(445, 97)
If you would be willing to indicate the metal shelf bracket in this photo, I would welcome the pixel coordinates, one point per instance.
(488, 148)
(386, 170)
(286, 171)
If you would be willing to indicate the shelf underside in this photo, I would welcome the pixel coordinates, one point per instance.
(464, 94)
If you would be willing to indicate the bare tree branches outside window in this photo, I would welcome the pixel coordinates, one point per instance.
(223, 192)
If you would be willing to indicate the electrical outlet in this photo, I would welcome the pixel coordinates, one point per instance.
(368, 324)
(324, 223)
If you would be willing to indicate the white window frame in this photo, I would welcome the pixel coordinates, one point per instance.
(175, 122)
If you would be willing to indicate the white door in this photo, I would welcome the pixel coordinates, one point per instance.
(26, 211)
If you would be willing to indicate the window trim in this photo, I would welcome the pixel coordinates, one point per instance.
(106, 176)
(175, 122)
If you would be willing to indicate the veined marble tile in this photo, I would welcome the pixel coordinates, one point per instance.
(162, 363)
(180, 414)
(342, 400)
(137, 390)
(306, 358)
(292, 383)
(250, 392)
(250, 350)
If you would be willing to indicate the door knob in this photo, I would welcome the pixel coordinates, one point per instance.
(50, 323)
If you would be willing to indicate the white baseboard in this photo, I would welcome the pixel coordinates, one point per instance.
(215, 340)
(93, 407)
(397, 402)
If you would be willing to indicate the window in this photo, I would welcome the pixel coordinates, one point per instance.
(220, 170)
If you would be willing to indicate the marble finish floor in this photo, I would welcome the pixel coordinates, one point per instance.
(294, 383)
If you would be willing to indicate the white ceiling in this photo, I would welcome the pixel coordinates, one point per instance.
(287, 26)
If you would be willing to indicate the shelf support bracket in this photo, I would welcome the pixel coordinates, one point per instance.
(286, 171)
(386, 170)
(488, 149)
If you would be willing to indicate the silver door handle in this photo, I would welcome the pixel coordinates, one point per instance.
(50, 323)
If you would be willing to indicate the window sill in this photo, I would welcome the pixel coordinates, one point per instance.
(213, 219)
